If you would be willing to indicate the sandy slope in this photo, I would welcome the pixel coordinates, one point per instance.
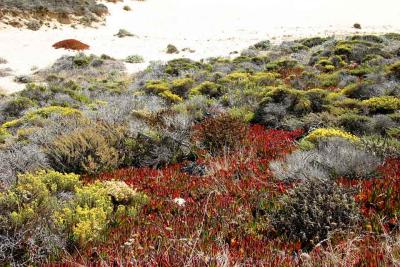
(211, 27)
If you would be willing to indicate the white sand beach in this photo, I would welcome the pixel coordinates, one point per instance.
(210, 27)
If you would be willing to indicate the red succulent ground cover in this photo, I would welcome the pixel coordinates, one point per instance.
(217, 226)
(71, 44)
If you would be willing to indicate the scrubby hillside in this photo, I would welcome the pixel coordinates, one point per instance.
(38, 12)
(285, 155)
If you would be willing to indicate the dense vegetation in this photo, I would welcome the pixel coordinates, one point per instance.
(39, 12)
(285, 155)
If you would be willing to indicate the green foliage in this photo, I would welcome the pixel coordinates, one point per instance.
(383, 104)
(314, 41)
(266, 78)
(84, 216)
(81, 60)
(313, 209)
(394, 70)
(207, 88)
(15, 106)
(177, 66)
(181, 86)
(88, 150)
(162, 89)
(355, 124)
(322, 133)
(134, 59)
(41, 113)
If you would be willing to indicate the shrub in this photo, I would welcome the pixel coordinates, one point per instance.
(71, 44)
(314, 41)
(322, 133)
(86, 150)
(177, 67)
(182, 86)
(41, 113)
(26, 213)
(355, 124)
(124, 33)
(394, 70)
(382, 146)
(313, 209)
(331, 159)
(171, 49)
(383, 104)
(156, 86)
(207, 88)
(44, 209)
(15, 106)
(220, 133)
(134, 59)
(95, 206)
(20, 158)
(266, 78)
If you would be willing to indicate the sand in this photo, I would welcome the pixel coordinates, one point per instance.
(210, 27)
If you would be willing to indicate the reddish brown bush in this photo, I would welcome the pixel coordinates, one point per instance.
(71, 44)
(221, 132)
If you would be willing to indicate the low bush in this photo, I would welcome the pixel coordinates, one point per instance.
(207, 88)
(87, 150)
(45, 209)
(320, 134)
(134, 59)
(383, 104)
(220, 133)
(314, 209)
(331, 159)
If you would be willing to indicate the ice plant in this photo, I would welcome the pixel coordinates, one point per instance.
(71, 44)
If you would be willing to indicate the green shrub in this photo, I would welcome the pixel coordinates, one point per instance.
(181, 86)
(323, 133)
(81, 60)
(207, 88)
(66, 207)
(314, 41)
(177, 66)
(394, 70)
(15, 106)
(156, 86)
(355, 124)
(134, 59)
(26, 217)
(266, 78)
(88, 150)
(310, 211)
(383, 104)
(41, 113)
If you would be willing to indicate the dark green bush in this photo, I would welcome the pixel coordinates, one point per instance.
(312, 210)
(87, 150)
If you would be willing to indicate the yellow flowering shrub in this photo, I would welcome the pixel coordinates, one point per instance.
(318, 134)
(207, 88)
(95, 206)
(382, 104)
(171, 97)
(81, 212)
(41, 113)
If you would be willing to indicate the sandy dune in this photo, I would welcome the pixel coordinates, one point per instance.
(210, 27)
